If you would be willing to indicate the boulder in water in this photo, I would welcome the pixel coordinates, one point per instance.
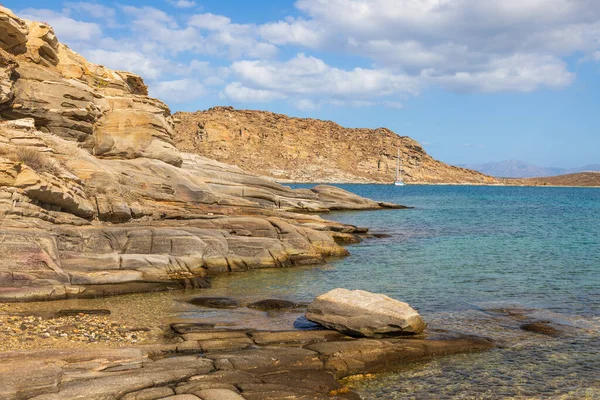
(360, 313)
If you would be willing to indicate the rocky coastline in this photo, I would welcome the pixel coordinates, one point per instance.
(202, 361)
(96, 200)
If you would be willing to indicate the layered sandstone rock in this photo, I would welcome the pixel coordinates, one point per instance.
(95, 200)
(310, 150)
(221, 365)
(107, 112)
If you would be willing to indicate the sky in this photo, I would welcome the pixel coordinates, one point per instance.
(473, 81)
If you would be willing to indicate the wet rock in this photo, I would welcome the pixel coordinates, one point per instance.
(71, 312)
(219, 394)
(370, 356)
(215, 345)
(212, 335)
(268, 359)
(149, 394)
(275, 304)
(381, 235)
(322, 382)
(189, 327)
(214, 302)
(363, 314)
(295, 337)
(544, 327)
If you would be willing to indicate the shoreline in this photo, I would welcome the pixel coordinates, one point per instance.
(431, 184)
(193, 359)
(198, 360)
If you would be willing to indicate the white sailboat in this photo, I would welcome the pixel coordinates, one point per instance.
(398, 181)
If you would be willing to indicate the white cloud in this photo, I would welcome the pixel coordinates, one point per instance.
(209, 21)
(462, 43)
(371, 52)
(239, 93)
(518, 73)
(145, 66)
(232, 40)
(66, 28)
(306, 105)
(182, 3)
(294, 32)
(309, 75)
(96, 11)
(178, 91)
(393, 104)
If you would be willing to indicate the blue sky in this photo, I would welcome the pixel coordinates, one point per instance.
(472, 80)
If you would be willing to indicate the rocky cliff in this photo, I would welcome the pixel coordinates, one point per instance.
(95, 199)
(310, 150)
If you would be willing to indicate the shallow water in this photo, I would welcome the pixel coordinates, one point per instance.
(463, 251)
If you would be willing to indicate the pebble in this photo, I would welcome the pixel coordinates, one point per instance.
(18, 332)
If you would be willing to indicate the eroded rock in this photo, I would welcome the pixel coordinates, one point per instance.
(360, 313)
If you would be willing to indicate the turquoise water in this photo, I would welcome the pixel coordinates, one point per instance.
(463, 252)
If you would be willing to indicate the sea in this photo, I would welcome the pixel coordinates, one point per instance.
(475, 260)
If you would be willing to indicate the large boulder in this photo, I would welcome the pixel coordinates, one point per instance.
(360, 313)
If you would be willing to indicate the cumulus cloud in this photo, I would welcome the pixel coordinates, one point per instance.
(182, 3)
(66, 28)
(294, 32)
(147, 67)
(239, 40)
(178, 91)
(309, 75)
(210, 21)
(473, 45)
(376, 52)
(97, 11)
(237, 92)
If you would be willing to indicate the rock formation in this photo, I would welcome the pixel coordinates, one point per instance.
(364, 314)
(242, 365)
(589, 179)
(95, 199)
(310, 150)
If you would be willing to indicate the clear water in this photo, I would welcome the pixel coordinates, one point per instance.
(464, 250)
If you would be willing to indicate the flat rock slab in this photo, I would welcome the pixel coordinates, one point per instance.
(296, 337)
(219, 394)
(291, 370)
(149, 394)
(372, 356)
(363, 314)
(211, 335)
(189, 327)
(268, 359)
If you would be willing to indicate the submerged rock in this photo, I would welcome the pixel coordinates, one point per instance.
(543, 327)
(70, 312)
(214, 302)
(360, 313)
(275, 304)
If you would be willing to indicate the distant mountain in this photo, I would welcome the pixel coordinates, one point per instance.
(520, 169)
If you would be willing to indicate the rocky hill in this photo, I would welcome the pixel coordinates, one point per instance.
(520, 169)
(310, 150)
(591, 179)
(95, 199)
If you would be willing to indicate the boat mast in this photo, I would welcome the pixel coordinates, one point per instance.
(398, 166)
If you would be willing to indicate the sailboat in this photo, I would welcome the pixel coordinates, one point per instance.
(398, 181)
